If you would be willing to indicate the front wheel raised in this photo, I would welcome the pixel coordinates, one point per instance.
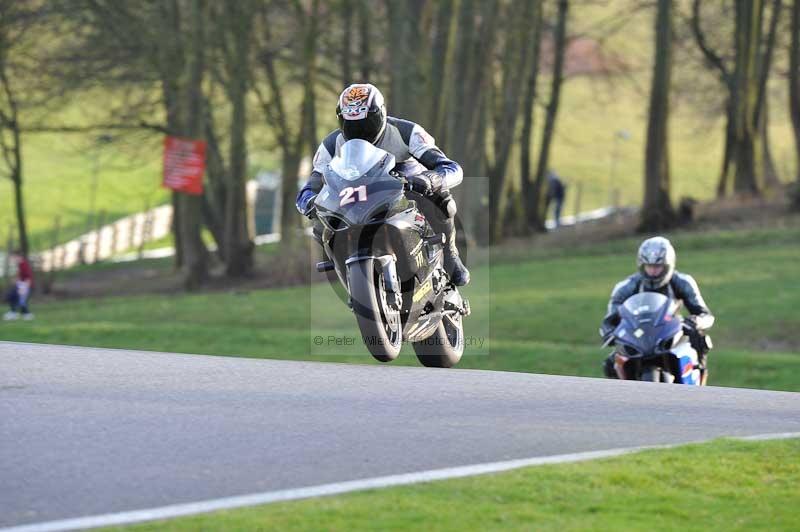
(380, 325)
(443, 349)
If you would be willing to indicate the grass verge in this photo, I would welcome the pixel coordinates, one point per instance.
(535, 314)
(721, 485)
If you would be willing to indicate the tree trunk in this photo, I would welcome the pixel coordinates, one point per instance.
(176, 233)
(528, 115)
(292, 141)
(405, 46)
(309, 132)
(748, 178)
(195, 254)
(214, 198)
(239, 248)
(657, 212)
(19, 207)
(290, 168)
(10, 123)
(506, 107)
(16, 178)
(539, 195)
(437, 71)
(794, 88)
(724, 182)
(746, 165)
(347, 40)
(455, 119)
(365, 39)
(768, 168)
(466, 107)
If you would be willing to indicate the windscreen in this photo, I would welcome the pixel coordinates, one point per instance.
(646, 305)
(357, 157)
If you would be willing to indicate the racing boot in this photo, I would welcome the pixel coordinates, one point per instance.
(441, 215)
(459, 274)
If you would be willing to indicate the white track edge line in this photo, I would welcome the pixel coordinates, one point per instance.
(228, 503)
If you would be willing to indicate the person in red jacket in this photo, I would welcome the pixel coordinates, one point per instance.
(20, 291)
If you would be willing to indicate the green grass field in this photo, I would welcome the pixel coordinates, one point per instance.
(533, 310)
(723, 485)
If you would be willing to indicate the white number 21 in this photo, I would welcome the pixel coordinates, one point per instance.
(352, 195)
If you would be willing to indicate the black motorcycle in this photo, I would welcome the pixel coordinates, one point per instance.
(388, 259)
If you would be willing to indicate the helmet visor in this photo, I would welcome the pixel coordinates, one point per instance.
(368, 128)
(654, 271)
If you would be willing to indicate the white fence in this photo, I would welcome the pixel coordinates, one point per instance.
(127, 233)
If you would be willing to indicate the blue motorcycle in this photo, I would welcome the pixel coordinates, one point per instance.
(652, 345)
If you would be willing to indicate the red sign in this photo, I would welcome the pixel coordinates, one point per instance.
(184, 165)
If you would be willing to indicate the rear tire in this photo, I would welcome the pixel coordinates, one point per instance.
(443, 349)
(380, 326)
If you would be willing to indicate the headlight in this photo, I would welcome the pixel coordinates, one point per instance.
(334, 222)
(630, 351)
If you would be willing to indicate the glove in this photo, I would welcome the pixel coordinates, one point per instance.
(690, 324)
(311, 209)
(426, 183)
(306, 205)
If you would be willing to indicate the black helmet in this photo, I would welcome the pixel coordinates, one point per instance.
(656, 251)
(362, 112)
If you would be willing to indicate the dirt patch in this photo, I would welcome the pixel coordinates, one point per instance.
(160, 277)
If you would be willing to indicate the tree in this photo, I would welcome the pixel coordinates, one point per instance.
(528, 191)
(716, 62)
(405, 47)
(295, 132)
(233, 39)
(540, 187)
(182, 65)
(657, 211)
(794, 88)
(508, 95)
(747, 165)
(16, 20)
(467, 106)
(750, 80)
(152, 48)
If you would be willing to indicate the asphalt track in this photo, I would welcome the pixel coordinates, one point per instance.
(93, 431)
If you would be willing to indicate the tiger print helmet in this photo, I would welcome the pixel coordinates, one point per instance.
(362, 112)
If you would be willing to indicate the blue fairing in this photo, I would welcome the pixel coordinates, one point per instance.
(650, 332)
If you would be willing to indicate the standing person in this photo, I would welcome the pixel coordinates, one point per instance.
(556, 190)
(20, 291)
(362, 115)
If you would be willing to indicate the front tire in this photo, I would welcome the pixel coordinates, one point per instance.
(443, 349)
(380, 325)
(651, 375)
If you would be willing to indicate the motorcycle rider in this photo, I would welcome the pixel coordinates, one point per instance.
(362, 115)
(656, 261)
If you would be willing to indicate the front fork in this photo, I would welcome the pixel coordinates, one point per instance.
(394, 296)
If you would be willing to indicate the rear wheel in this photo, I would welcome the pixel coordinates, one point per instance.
(380, 325)
(443, 349)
